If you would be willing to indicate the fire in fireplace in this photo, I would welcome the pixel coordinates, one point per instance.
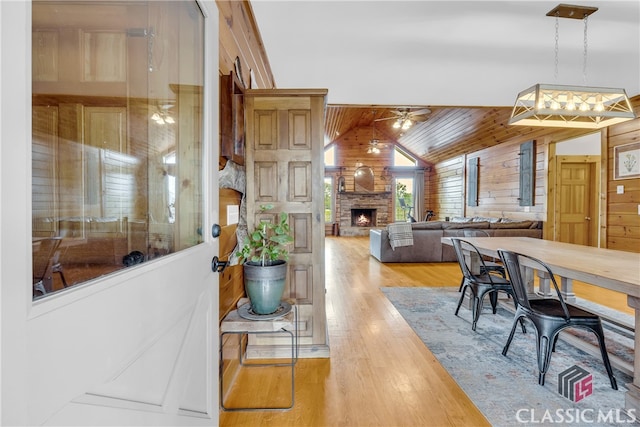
(363, 217)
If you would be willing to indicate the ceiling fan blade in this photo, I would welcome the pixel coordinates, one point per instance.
(420, 112)
(385, 118)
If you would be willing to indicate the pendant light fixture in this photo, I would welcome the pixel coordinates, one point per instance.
(571, 106)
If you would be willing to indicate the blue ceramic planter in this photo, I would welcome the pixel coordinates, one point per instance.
(265, 285)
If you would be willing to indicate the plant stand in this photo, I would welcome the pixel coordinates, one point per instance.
(233, 323)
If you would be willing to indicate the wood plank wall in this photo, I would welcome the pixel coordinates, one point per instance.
(351, 148)
(623, 215)
(498, 184)
(239, 37)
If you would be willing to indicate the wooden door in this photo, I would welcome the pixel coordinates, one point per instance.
(578, 218)
(285, 168)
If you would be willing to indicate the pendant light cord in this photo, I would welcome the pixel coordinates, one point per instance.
(555, 73)
(584, 63)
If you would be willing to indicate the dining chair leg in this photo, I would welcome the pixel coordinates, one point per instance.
(477, 308)
(493, 297)
(464, 289)
(513, 330)
(605, 356)
(544, 356)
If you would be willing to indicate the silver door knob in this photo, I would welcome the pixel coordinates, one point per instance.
(588, 218)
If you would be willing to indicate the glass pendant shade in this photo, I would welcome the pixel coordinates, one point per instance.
(571, 106)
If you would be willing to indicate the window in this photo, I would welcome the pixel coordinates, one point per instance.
(330, 156)
(328, 199)
(401, 158)
(117, 131)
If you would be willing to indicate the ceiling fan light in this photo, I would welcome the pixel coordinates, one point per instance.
(397, 124)
(406, 124)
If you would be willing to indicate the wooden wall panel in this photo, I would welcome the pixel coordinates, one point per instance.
(498, 185)
(239, 37)
(448, 194)
(622, 215)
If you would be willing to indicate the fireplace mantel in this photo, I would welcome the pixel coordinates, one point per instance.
(363, 193)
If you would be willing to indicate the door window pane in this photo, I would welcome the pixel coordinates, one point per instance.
(117, 136)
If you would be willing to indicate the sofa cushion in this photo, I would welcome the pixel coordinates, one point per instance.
(427, 225)
(513, 224)
(459, 225)
(485, 219)
(460, 219)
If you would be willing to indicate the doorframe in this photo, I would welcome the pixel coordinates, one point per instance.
(598, 192)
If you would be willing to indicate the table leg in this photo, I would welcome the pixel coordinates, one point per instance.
(632, 397)
(566, 287)
(527, 276)
(544, 284)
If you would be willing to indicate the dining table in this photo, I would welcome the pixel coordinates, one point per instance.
(611, 269)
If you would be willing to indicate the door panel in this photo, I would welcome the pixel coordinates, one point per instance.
(138, 347)
(575, 204)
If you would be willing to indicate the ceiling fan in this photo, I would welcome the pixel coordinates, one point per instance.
(375, 145)
(405, 117)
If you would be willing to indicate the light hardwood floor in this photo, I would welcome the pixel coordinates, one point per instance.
(379, 373)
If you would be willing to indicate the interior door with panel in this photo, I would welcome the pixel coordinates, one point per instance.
(577, 202)
(119, 142)
(285, 168)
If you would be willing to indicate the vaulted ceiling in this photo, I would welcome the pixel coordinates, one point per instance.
(447, 131)
(464, 60)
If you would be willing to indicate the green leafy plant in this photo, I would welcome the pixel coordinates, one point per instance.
(268, 242)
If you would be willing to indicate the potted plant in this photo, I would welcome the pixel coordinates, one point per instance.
(265, 253)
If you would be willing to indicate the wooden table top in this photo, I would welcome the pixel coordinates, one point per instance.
(608, 268)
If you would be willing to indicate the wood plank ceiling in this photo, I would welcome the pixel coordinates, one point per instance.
(447, 131)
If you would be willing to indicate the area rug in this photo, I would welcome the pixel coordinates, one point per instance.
(506, 389)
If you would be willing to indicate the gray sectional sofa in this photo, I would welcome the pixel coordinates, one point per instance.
(427, 245)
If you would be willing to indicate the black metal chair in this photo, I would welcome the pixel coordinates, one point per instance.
(479, 285)
(45, 263)
(549, 315)
(488, 265)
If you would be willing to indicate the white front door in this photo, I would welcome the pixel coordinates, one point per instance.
(136, 347)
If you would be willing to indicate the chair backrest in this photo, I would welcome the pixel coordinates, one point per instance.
(475, 233)
(511, 261)
(403, 204)
(460, 246)
(43, 252)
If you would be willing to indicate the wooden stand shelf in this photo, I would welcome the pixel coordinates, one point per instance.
(233, 323)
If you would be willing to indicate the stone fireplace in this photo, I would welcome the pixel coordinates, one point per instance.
(358, 212)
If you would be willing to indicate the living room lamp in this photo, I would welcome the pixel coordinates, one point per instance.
(571, 106)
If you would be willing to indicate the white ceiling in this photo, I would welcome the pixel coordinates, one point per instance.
(465, 53)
